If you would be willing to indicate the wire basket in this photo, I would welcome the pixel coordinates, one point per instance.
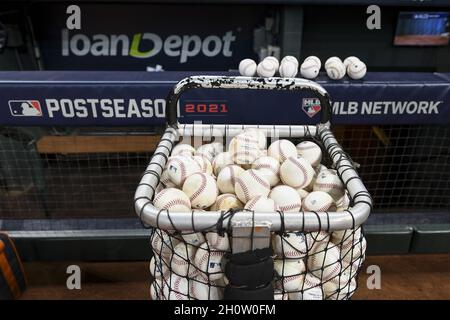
(301, 255)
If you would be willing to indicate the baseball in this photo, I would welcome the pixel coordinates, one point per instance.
(158, 268)
(281, 150)
(177, 288)
(266, 68)
(247, 68)
(163, 244)
(180, 167)
(310, 151)
(302, 193)
(290, 246)
(182, 149)
(353, 250)
(291, 273)
(180, 263)
(288, 69)
(273, 60)
(324, 263)
(329, 182)
(332, 60)
(311, 290)
(279, 295)
(202, 289)
(259, 135)
(172, 199)
(289, 59)
(249, 184)
(204, 164)
(318, 201)
(217, 241)
(227, 201)
(357, 70)
(226, 179)
(209, 262)
(335, 70)
(286, 198)
(193, 238)
(261, 204)
(206, 150)
(316, 61)
(269, 167)
(343, 203)
(156, 290)
(220, 161)
(296, 172)
(350, 60)
(165, 179)
(339, 288)
(320, 168)
(217, 147)
(317, 240)
(201, 190)
(309, 69)
(340, 236)
(244, 149)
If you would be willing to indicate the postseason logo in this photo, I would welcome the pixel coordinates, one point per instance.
(311, 106)
(25, 108)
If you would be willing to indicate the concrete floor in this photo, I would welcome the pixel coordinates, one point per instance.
(402, 277)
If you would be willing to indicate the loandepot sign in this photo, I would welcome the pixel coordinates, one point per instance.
(181, 46)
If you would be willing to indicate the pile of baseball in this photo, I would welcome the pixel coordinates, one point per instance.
(289, 67)
(249, 176)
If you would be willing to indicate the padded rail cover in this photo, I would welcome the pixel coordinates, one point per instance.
(138, 99)
(12, 276)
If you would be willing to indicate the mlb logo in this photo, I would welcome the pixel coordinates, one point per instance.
(311, 106)
(25, 108)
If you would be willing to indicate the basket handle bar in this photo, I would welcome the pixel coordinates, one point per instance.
(227, 82)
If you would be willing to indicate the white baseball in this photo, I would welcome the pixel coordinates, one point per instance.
(347, 61)
(312, 289)
(302, 193)
(221, 160)
(296, 172)
(249, 184)
(339, 288)
(158, 267)
(273, 60)
(335, 70)
(289, 59)
(288, 69)
(340, 236)
(217, 147)
(226, 179)
(156, 289)
(202, 289)
(281, 150)
(324, 262)
(181, 261)
(357, 70)
(244, 149)
(286, 198)
(290, 246)
(159, 188)
(320, 168)
(266, 68)
(176, 288)
(180, 167)
(353, 250)
(309, 69)
(206, 150)
(269, 167)
(259, 135)
(165, 180)
(247, 68)
(292, 274)
(329, 181)
(332, 60)
(193, 238)
(317, 240)
(280, 295)
(261, 204)
(204, 164)
(343, 203)
(183, 149)
(172, 199)
(163, 244)
(227, 201)
(217, 241)
(310, 151)
(201, 190)
(315, 59)
(318, 201)
(209, 262)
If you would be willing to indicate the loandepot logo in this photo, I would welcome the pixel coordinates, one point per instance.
(147, 45)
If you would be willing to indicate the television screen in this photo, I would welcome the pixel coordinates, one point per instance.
(422, 29)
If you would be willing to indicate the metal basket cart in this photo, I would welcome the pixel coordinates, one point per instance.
(248, 268)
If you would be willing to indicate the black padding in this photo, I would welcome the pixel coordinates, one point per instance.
(262, 293)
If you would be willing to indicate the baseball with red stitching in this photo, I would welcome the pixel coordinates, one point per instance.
(261, 204)
(318, 201)
(156, 290)
(340, 287)
(292, 274)
(329, 181)
(158, 267)
(217, 241)
(286, 198)
(310, 151)
(249, 184)
(163, 244)
(296, 172)
(165, 179)
(204, 164)
(202, 289)
(206, 150)
(312, 289)
(172, 199)
(281, 150)
(324, 262)
(226, 179)
(353, 250)
(183, 149)
(181, 260)
(193, 238)
(220, 161)
(244, 149)
(340, 236)
(280, 295)
(269, 167)
(227, 201)
(292, 245)
(259, 135)
(180, 167)
(209, 262)
(302, 193)
(201, 190)
(177, 288)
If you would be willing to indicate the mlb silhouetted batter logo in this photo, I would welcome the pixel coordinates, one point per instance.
(25, 108)
(311, 106)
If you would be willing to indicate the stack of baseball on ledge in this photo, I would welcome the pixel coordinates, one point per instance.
(249, 176)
